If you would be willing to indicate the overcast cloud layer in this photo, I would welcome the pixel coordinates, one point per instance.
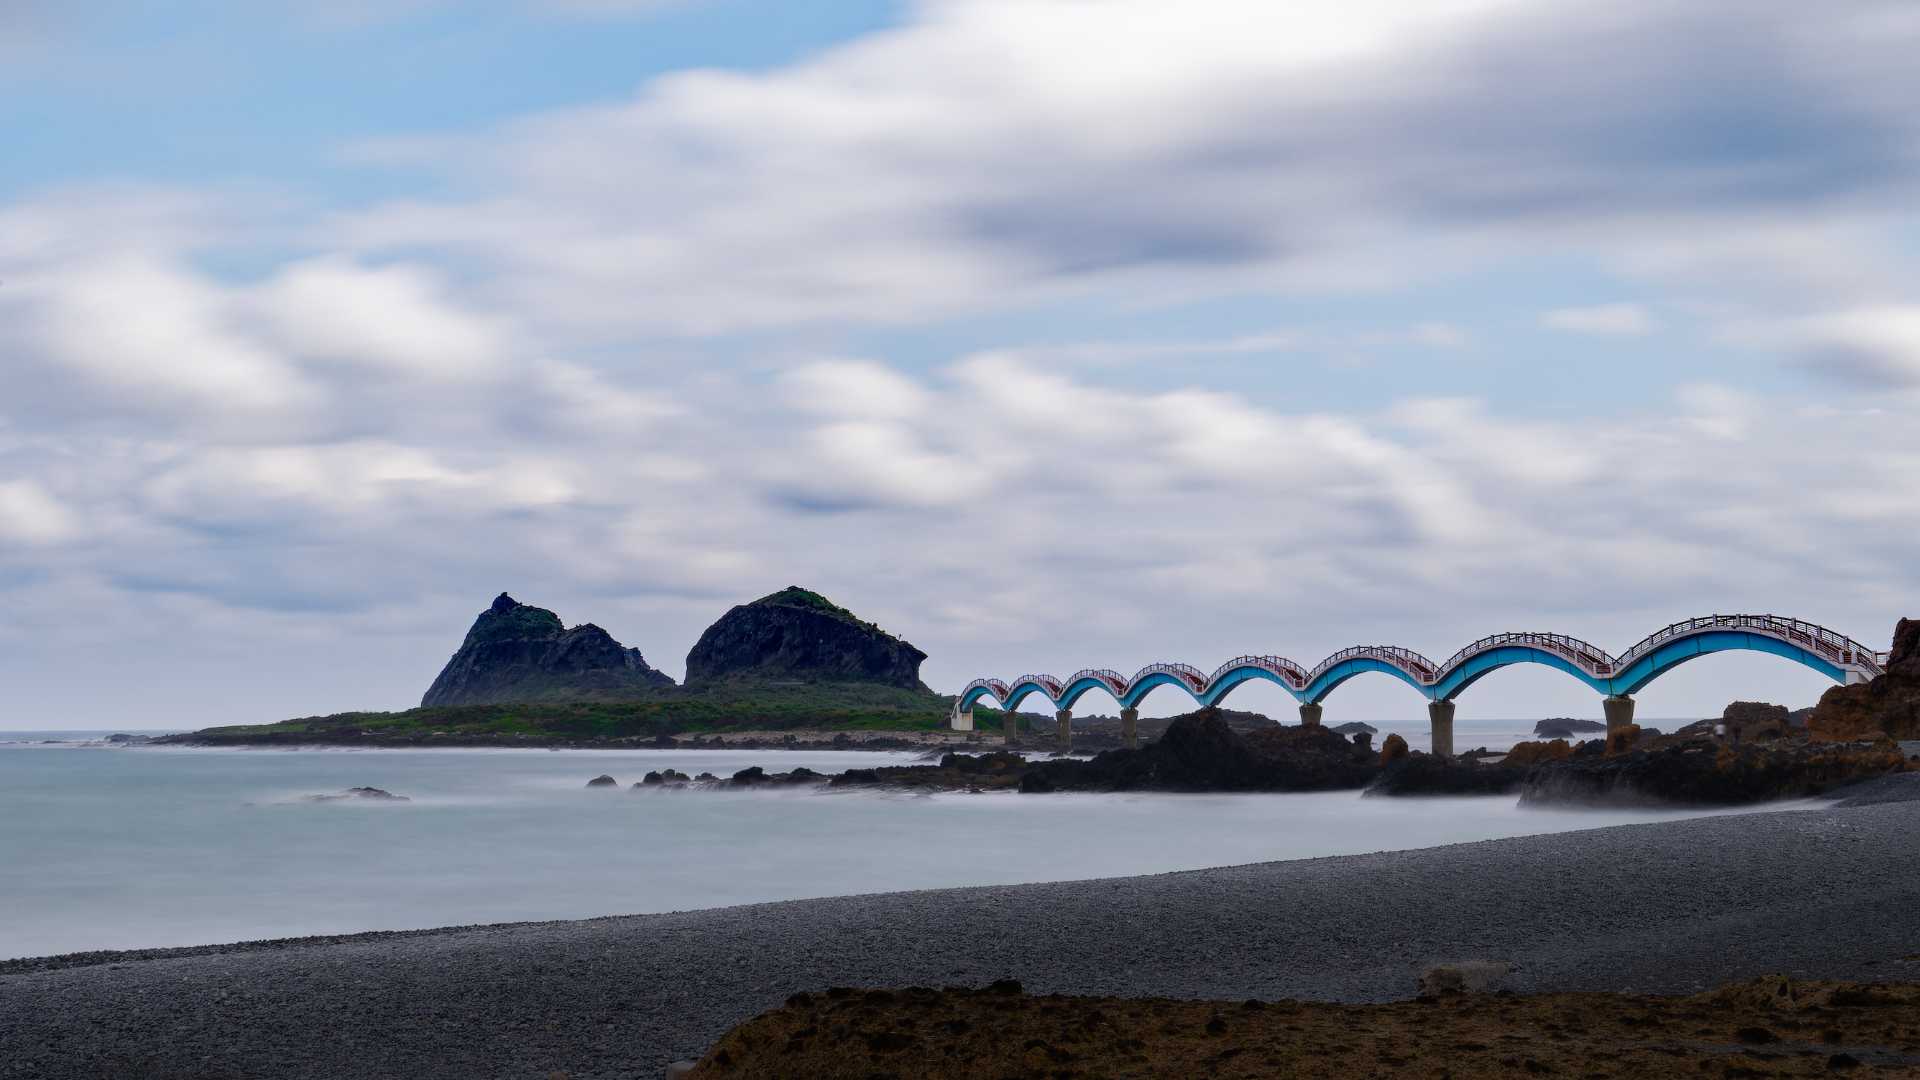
(266, 447)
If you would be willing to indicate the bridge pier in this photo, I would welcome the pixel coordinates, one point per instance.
(1619, 712)
(1063, 729)
(1440, 719)
(1130, 728)
(962, 720)
(1310, 713)
(1012, 726)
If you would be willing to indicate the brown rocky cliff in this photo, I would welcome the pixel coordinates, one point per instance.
(1889, 705)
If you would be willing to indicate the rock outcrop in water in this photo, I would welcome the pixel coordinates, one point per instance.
(1889, 705)
(516, 652)
(1566, 727)
(799, 635)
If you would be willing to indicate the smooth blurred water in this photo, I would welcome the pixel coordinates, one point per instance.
(129, 848)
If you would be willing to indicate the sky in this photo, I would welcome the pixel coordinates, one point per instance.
(1048, 334)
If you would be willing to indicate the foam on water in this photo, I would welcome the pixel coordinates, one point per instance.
(128, 848)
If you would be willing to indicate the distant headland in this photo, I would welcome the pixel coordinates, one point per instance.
(790, 661)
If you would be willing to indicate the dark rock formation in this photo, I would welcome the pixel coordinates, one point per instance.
(1425, 774)
(370, 794)
(1709, 774)
(1200, 752)
(1354, 728)
(757, 776)
(1889, 705)
(603, 780)
(1393, 749)
(515, 652)
(795, 634)
(1749, 720)
(1528, 754)
(1565, 727)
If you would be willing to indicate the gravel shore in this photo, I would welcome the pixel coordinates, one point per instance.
(1667, 908)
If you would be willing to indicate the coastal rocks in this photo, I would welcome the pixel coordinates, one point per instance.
(954, 772)
(757, 776)
(1427, 774)
(798, 634)
(1354, 727)
(1747, 721)
(1201, 752)
(515, 652)
(1393, 749)
(1706, 774)
(668, 776)
(1565, 727)
(603, 781)
(1889, 705)
(360, 794)
(1527, 754)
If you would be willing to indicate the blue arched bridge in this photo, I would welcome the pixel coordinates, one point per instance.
(1834, 655)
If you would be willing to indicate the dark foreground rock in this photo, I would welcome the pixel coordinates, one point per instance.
(1764, 1027)
(1710, 774)
(516, 652)
(603, 781)
(1889, 705)
(799, 634)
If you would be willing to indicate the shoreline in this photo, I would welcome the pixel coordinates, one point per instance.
(1671, 907)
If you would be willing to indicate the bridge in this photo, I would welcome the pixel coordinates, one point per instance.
(1834, 655)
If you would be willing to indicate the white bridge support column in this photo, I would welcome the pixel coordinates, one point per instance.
(1440, 718)
(1130, 728)
(1012, 725)
(1619, 712)
(963, 720)
(1063, 729)
(1310, 713)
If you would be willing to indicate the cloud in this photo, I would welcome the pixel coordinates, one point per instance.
(1876, 346)
(393, 319)
(1606, 320)
(988, 155)
(29, 515)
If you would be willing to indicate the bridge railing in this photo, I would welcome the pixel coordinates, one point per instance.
(1295, 676)
(1595, 660)
(1817, 639)
(1046, 682)
(1406, 659)
(1108, 676)
(1186, 673)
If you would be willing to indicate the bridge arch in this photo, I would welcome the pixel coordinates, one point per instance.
(1670, 654)
(1339, 674)
(1465, 672)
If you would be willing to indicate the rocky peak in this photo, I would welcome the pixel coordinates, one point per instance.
(1906, 647)
(517, 652)
(1887, 706)
(799, 634)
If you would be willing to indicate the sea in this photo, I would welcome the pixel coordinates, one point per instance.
(115, 847)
